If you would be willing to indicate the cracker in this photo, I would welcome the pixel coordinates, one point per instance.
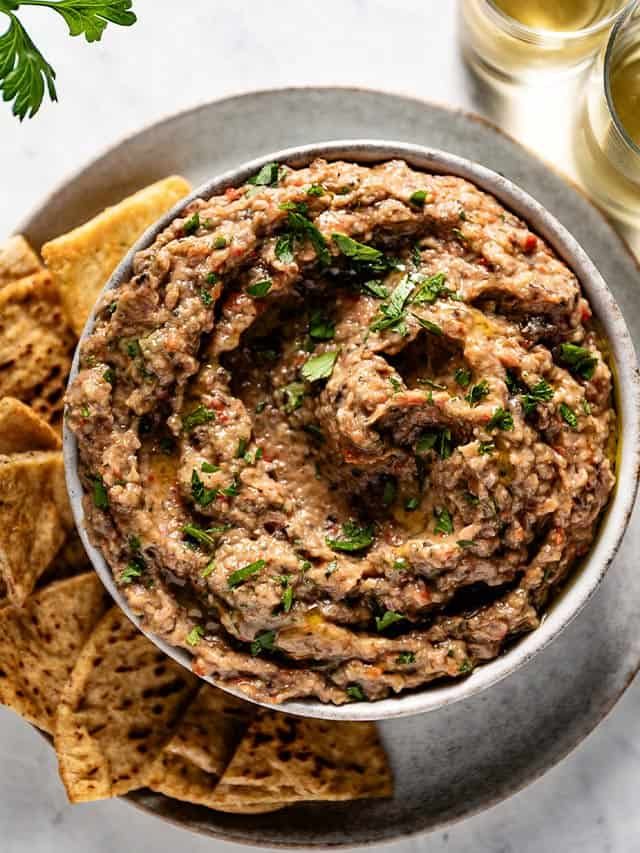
(290, 759)
(40, 642)
(36, 346)
(117, 711)
(22, 429)
(82, 260)
(17, 260)
(34, 518)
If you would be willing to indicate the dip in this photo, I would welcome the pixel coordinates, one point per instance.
(344, 431)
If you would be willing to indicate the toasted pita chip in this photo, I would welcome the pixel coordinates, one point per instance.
(117, 711)
(82, 260)
(71, 560)
(40, 642)
(178, 778)
(23, 429)
(211, 729)
(17, 260)
(35, 345)
(289, 759)
(34, 518)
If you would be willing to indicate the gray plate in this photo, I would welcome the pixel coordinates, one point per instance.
(461, 759)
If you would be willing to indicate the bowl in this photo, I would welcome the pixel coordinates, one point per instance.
(588, 575)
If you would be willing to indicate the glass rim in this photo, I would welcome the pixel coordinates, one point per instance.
(538, 34)
(608, 60)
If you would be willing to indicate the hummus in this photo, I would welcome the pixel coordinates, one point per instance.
(344, 431)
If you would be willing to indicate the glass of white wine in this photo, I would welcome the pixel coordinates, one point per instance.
(607, 145)
(524, 40)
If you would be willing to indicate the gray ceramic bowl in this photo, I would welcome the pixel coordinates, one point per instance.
(595, 565)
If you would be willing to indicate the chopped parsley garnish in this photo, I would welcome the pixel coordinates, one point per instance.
(542, 392)
(465, 667)
(208, 468)
(430, 289)
(208, 569)
(261, 406)
(263, 643)
(465, 543)
(389, 492)
(220, 242)
(388, 619)
(197, 418)
(580, 361)
(375, 288)
(268, 176)
(133, 570)
(439, 440)
(293, 396)
(354, 538)
(260, 288)
(501, 420)
(287, 597)
(457, 233)
(418, 198)
(195, 635)
(241, 575)
(109, 375)
(316, 190)
(472, 499)
(232, 490)
(206, 297)
(241, 448)
(85, 411)
(486, 447)
(212, 278)
(192, 224)
(200, 494)
(356, 693)
(405, 658)
(400, 564)
(100, 495)
(568, 415)
(429, 383)
(392, 313)
(197, 534)
(395, 384)
(478, 393)
(320, 327)
(412, 504)
(303, 227)
(429, 326)
(462, 377)
(133, 349)
(362, 255)
(586, 408)
(444, 522)
(319, 366)
(284, 248)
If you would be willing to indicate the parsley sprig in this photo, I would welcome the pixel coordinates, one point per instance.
(25, 75)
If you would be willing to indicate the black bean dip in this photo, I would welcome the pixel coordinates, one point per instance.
(344, 431)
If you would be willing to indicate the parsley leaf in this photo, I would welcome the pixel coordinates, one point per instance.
(195, 635)
(241, 575)
(197, 418)
(429, 326)
(354, 538)
(260, 288)
(392, 314)
(263, 643)
(478, 393)
(268, 176)
(319, 366)
(321, 328)
(356, 693)
(303, 227)
(284, 248)
(192, 224)
(204, 537)
(568, 415)
(293, 396)
(133, 570)
(542, 392)
(100, 495)
(201, 495)
(389, 492)
(486, 447)
(580, 361)
(362, 255)
(439, 440)
(387, 619)
(406, 658)
(287, 597)
(444, 522)
(316, 190)
(418, 198)
(430, 289)
(501, 420)
(462, 377)
(375, 288)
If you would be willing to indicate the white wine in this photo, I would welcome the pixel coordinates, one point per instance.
(527, 39)
(625, 90)
(558, 15)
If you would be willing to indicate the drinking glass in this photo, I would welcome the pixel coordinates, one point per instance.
(527, 40)
(608, 133)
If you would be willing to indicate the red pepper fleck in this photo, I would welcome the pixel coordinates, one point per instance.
(530, 244)
(586, 313)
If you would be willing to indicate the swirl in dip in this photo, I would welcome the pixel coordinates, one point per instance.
(344, 431)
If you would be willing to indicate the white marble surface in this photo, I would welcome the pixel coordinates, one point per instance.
(181, 54)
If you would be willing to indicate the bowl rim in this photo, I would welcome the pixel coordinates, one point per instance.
(612, 527)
